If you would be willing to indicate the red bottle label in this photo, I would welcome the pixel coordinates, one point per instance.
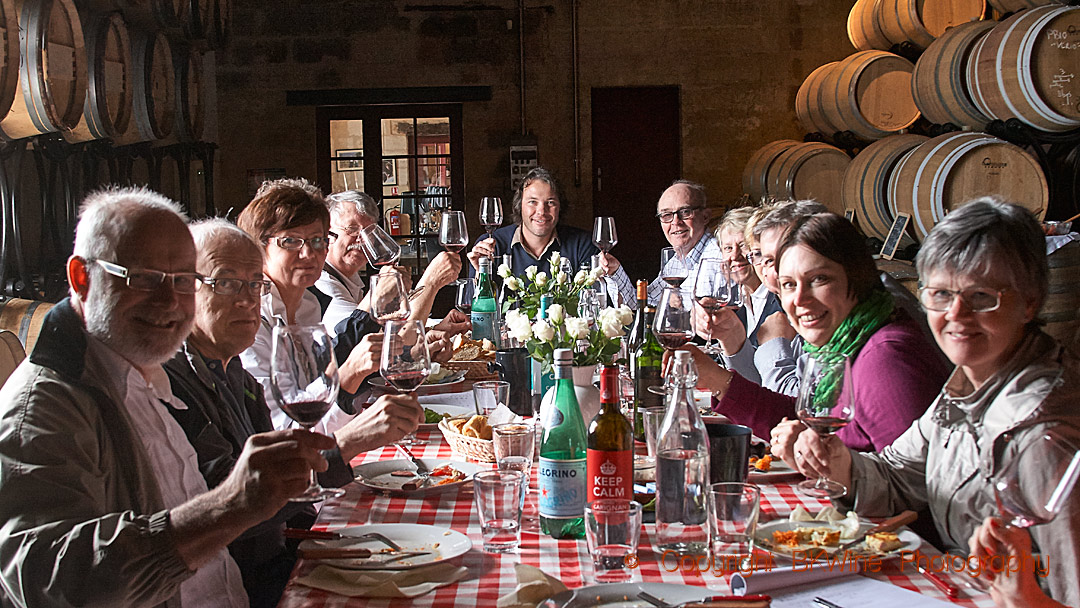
(610, 474)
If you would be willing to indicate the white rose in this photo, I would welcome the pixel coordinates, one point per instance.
(595, 275)
(518, 325)
(541, 279)
(581, 277)
(626, 316)
(560, 277)
(543, 331)
(611, 328)
(555, 313)
(530, 273)
(504, 271)
(512, 283)
(556, 259)
(577, 328)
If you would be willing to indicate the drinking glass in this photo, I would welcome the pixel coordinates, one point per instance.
(612, 531)
(733, 517)
(515, 445)
(1033, 485)
(825, 405)
(672, 270)
(388, 299)
(652, 418)
(453, 234)
(715, 290)
(466, 288)
(380, 248)
(405, 363)
(603, 234)
(671, 325)
(491, 214)
(304, 382)
(490, 394)
(498, 502)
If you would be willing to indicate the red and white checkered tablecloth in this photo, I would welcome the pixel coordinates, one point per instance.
(492, 576)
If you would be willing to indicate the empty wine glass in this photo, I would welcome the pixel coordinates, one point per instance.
(405, 363)
(491, 214)
(464, 296)
(380, 248)
(603, 234)
(715, 290)
(453, 234)
(1033, 485)
(388, 298)
(304, 383)
(825, 405)
(672, 270)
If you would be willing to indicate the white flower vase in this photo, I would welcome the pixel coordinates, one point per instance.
(588, 396)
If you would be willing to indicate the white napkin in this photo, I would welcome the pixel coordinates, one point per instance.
(764, 581)
(412, 582)
(501, 415)
(1053, 243)
(534, 586)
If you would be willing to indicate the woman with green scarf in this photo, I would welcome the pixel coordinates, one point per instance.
(834, 298)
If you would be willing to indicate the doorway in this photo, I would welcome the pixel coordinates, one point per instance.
(636, 155)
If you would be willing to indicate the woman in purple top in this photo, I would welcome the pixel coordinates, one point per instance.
(834, 298)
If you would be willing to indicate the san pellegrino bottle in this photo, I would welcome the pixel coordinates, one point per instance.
(682, 467)
(484, 315)
(610, 458)
(562, 457)
(646, 361)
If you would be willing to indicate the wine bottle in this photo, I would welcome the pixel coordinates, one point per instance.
(637, 328)
(562, 465)
(610, 457)
(645, 363)
(484, 315)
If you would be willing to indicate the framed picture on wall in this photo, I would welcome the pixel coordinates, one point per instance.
(350, 160)
(389, 172)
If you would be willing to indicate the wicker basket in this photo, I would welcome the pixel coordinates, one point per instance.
(472, 448)
(474, 370)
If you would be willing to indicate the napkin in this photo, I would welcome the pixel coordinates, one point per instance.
(534, 586)
(774, 579)
(412, 582)
(502, 415)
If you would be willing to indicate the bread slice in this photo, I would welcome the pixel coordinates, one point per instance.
(883, 542)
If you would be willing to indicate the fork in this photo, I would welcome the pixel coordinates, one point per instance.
(382, 539)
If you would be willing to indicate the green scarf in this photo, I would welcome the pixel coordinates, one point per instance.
(864, 319)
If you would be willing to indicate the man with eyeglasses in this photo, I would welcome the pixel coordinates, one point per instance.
(226, 405)
(101, 497)
(683, 215)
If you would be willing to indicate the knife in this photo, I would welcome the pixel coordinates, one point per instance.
(423, 474)
(355, 552)
(950, 591)
(888, 525)
(312, 534)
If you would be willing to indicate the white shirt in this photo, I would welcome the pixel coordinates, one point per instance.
(345, 293)
(216, 583)
(754, 305)
(706, 248)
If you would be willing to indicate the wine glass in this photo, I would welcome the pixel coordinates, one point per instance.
(671, 324)
(304, 382)
(825, 405)
(1033, 485)
(603, 233)
(453, 235)
(388, 299)
(672, 270)
(381, 248)
(491, 214)
(466, 288)
(715, 290)
(405, 363)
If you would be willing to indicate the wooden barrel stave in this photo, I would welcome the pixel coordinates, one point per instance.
(9, 54)
(807, 105)
(867, 178)
(869, 94)
(757, 168)
(863, 28)
(809, 171)
(154, 91)
(107, 108)
(939, 83)
(189, 90)
(24, 318)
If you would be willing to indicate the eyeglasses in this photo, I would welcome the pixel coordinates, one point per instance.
(149, 280)
(228, 286)
(754, 257)
(684, 214)
(293, 243)
(349, 230)
(975, 299)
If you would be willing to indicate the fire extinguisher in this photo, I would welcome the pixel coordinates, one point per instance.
(393, 221)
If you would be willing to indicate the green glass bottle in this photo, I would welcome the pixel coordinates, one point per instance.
(484, 315)
(646, 361)
(562, 457)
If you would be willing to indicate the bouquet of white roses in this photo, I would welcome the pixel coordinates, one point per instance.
(560, 288)
(560, 331)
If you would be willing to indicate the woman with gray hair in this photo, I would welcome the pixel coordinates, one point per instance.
(984, 276)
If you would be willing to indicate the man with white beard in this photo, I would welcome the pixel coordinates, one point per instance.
(101, 500)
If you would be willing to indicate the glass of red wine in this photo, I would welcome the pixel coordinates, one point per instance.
(453, 234)
(304, 382)
(491, 214)
(380, 248)
(405, 362)
(672, 270)
(825, 404)
(715, 290)
(1035, 483)
(671, 325)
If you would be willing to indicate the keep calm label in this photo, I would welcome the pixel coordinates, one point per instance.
(610, 474)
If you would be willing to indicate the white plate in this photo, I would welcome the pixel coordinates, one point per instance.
(763, 538)
(455, 378)
(441, 543)
(445, 408)
(624, 595)
(779, 468)
(377, 475)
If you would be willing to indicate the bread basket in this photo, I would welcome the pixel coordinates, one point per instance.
(474, 370)
(472, 448)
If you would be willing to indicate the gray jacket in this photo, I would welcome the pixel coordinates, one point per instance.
(81, 517)
(946, 460)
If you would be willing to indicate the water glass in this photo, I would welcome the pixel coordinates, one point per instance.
(498, 501)
(612, 530)
(651, 419)
(733, 517)
(490, 394)
(515, 443)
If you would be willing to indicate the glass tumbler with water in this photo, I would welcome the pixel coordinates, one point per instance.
(612, 531)
(498, 502)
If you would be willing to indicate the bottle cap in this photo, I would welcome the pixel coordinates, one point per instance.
(682, 356)
(642, 289)
(564, 356)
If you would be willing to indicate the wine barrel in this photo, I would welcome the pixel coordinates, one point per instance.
(9, 54)
(869, 94)
(198, 18)
(24, 318)
(1026, 68)
(1011, 6)
(154, 94)
(808, 108)
(11, 354)
(939, 83)
(52, 77)
(947, 171)
(219, 23)
(107, 109)
(863, 29)
(1061, 310)
(755, 175)
(809, 171)
(189, 94)
(920, 22)
(867, 178)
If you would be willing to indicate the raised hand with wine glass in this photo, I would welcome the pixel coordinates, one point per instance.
(453, 232)
(714, 291)
(825, 404)
(406, 362)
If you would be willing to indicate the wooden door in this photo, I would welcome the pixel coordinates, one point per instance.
(636, 155)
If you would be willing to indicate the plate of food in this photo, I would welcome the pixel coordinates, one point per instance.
(818, 537)
(399, 476)
(440, 376)
(769, 467)
(434, 413)
(419, 544)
